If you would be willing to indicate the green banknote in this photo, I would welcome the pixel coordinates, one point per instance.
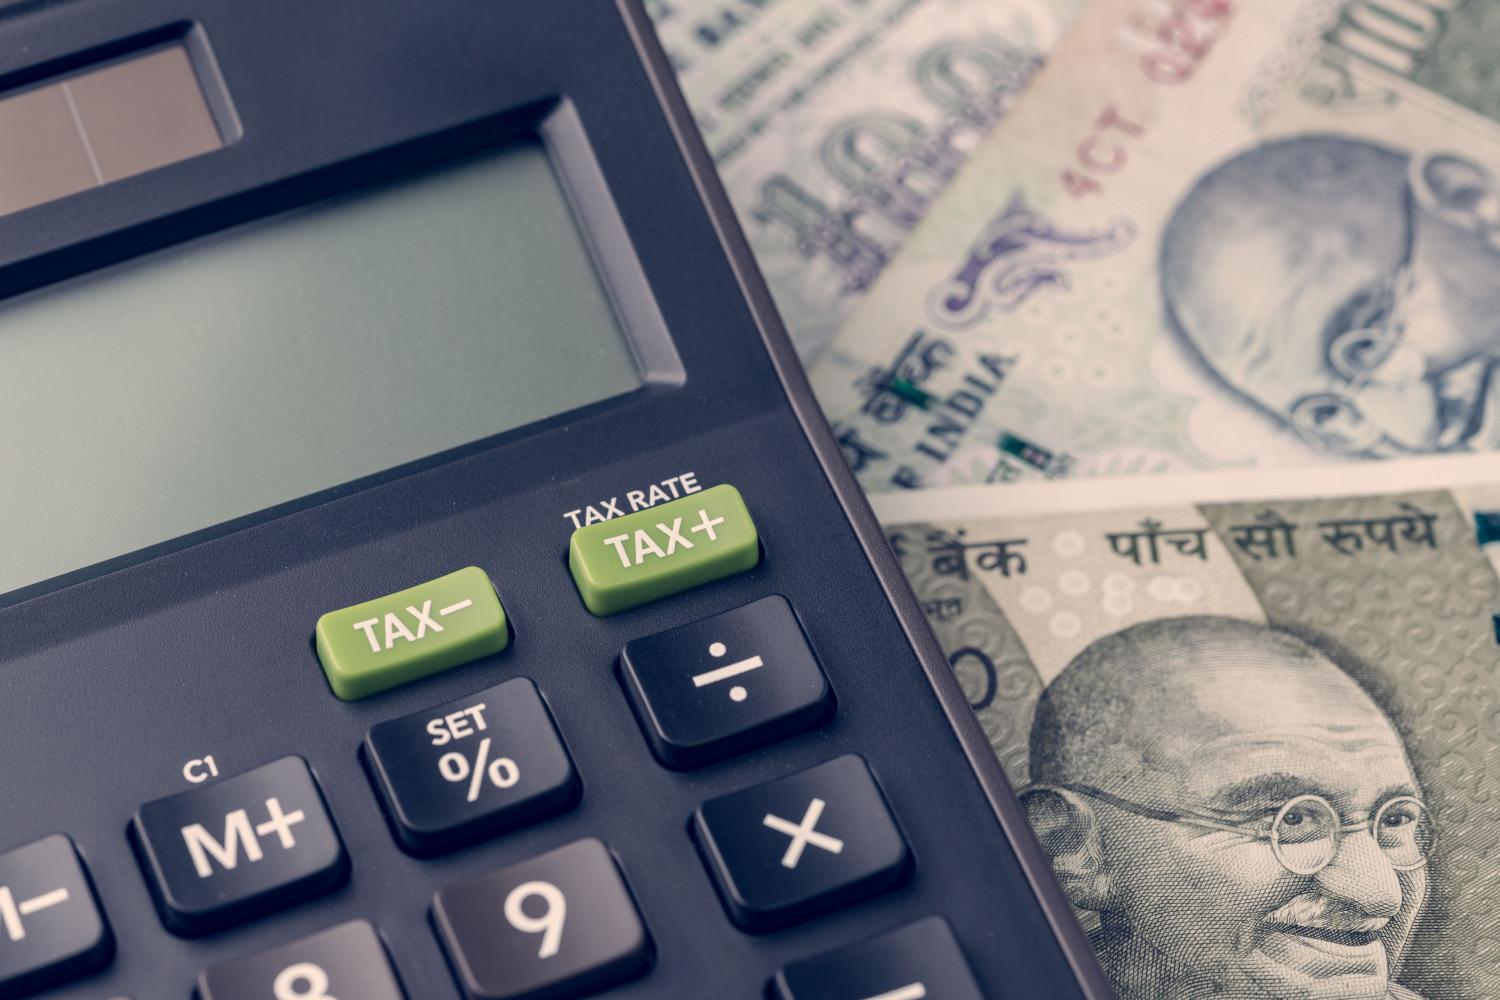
(835, 123)
(1213, 234)
(1259, 739)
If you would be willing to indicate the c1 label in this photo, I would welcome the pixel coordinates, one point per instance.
(200, 769)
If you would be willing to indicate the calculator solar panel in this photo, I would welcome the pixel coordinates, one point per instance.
(423, 570)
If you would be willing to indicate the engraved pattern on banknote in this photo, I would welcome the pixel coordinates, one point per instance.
(1298, 62)
(1020, 253)
(1334, 657)
(1418, 620)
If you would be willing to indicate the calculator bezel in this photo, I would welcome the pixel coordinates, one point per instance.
(630, 140)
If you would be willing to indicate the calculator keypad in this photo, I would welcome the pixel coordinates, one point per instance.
(801, 845)
(921, 961)
(726, 684)
(456, 773)
(240, 847)
(559, 925)
(343, 961)
(564, 923)
(51, 927)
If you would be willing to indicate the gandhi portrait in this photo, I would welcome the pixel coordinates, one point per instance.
(1348, 289)
(1238, 812)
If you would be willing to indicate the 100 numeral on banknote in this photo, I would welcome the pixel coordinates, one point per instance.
(836, 123)
(1213, 234)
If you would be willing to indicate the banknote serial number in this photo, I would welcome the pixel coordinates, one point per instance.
(1174, 37)
(1105, 150)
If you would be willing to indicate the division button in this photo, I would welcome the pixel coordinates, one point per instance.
(627, 561)
(343, 961)
(559, 926)
(801, 845)
(402, 637)
(228, 851)
(725, 684)
(921, 961)
(51, 927)
(463, 771)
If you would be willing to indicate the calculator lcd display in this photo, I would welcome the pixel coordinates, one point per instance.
(265, 363)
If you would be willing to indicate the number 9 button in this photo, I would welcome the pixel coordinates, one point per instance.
(562, 924)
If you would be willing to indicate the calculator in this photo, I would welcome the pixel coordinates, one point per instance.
(426, 573)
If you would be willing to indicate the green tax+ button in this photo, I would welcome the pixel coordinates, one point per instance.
(408, 635)
(650, 554)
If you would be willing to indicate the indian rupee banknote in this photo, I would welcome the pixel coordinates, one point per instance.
(1259, 738)
(1213, 234)
(834, 123)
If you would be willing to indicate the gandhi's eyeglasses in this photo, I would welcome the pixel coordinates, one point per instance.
(1305, 833)
(1359, 353)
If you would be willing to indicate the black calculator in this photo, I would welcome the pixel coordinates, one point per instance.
(426, 573)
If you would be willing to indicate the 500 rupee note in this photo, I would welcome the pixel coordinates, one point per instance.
(1259, 737)
(1214, 234)
(835, 123)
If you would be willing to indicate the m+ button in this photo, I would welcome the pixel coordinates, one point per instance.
(224, 852)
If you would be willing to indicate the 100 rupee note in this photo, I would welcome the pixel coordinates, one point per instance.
(1213, 234)
(1259, 737)
(835, 123)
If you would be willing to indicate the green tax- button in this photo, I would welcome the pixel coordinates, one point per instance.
(408, 635)
(652, 553)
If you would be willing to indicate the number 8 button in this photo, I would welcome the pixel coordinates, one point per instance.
(559, 925)
(346, 962)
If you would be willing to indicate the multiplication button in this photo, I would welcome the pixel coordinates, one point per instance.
(246, 845)
(801, 845)
(558, 926)
(725, 684)
(469, 769)
(51, 927)
(921, 961)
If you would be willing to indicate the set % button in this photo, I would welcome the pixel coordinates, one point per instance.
(502, 772)
(461, 772)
